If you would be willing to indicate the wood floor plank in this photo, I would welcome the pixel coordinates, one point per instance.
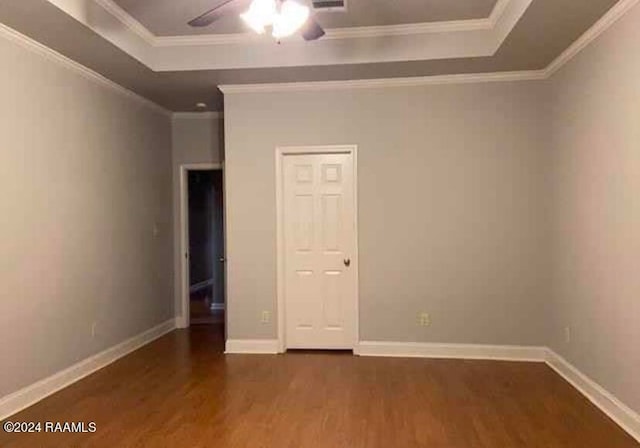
(181, 391)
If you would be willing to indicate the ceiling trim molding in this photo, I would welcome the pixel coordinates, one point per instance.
(112, 23)
(402, 42)
(414, 81)
(196, 53)
(207, 39)
(138, 28)
(498, 10)
(611, 17)
(606, 21)
(128, 20)
(618, 11)
(213, 115)
(407, 29)
(69, 64)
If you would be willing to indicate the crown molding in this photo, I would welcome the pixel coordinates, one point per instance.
(408, 29)
(403, 42)
(611, 17)
(112, 23)
(498, 10)
(198, 115)
(414, 81)
(63, 61)
(135, 26)
(210, 39)
(128, 20)
(606, 21)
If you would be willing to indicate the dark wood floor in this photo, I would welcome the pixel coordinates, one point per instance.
(200, 308)
(181, 391)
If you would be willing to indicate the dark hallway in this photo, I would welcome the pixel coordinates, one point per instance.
(206, 247)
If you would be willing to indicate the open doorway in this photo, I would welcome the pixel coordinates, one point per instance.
(203, 227)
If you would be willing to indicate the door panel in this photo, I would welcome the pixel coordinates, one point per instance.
(331, 207)
(332, 298)
(303, 209)
(319, 237)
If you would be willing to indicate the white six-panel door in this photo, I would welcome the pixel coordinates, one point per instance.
(318, 224)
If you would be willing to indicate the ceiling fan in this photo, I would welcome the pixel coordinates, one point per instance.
(285, 17)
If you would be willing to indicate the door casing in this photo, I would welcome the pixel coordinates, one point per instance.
(284, 151)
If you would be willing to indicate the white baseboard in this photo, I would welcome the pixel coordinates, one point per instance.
(181, 322)
(35, 392)
(624, 416)
(256, 346)
(453, 351)
(620, 413)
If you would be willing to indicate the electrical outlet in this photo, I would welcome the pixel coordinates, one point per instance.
(567, 335)
(424, 319)
(266, 317)
(94, 329)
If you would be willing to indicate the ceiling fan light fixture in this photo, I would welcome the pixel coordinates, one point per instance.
(291, 18)
(260, 14)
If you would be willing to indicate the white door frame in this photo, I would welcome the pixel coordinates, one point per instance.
(184, 235)
(281, 152)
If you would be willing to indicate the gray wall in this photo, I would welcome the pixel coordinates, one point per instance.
(196, 138)
(596, 149)
(453, 206)
(85, 175)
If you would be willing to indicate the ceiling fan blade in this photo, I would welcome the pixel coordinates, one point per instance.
(312, 30)
(226, 7)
